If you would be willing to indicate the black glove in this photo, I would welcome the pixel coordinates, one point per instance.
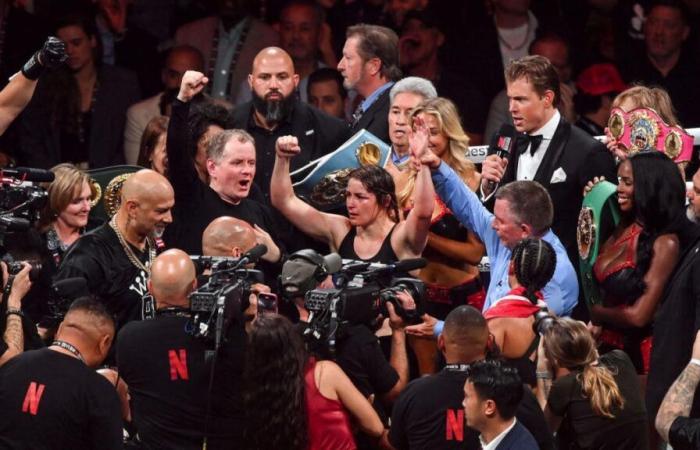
(51, 55)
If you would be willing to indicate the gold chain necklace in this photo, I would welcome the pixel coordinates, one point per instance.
(130, 253)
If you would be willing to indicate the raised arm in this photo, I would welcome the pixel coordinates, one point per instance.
(470, 251)
(641, 312)
(329, 228)
(18, 92)
(182, 172)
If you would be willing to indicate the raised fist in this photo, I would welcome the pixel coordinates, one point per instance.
(53, 53)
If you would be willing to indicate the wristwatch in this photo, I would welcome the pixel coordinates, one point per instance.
(600, 201)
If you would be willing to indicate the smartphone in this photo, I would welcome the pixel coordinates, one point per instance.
(267, 303)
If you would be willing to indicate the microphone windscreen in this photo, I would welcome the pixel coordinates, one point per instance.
(256, 252)
(332, 262)
(407, 265)
(31, 174)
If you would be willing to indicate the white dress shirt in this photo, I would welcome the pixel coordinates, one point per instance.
(497, 440)
(528, 163)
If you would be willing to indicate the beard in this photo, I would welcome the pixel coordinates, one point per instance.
(274, 111)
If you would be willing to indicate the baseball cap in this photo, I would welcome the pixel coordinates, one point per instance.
(600, 79)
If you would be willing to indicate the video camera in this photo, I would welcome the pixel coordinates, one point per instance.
(362, 293)
(21, 202)
(220, 302)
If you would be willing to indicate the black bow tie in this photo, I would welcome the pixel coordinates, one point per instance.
(534, 141)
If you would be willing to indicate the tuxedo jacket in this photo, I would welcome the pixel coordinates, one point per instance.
(376, 118)
(518, 438)
(200, 34)
(572, 159)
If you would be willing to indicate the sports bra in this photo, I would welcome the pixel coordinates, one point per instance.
(620, 282)
(385, 255)
(445, 224)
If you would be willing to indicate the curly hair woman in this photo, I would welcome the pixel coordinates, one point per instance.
(591, 401)
(296, 402)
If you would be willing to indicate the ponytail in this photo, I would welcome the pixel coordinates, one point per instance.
(599, 385)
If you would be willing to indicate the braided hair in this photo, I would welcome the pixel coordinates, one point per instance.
(534, 261)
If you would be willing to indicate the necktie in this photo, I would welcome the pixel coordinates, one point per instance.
(357, 114)
(534, 141)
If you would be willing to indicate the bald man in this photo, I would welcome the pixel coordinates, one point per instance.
(53, 398)
(227, 236)
(168, 370)
(115, 258)
(276, 111)
(428, 413)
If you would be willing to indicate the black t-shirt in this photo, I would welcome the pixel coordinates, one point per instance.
(429, 415)
(54, 401)
(361, 358)
(168, 378)
(583, 429)
(101, 259)
(685, 434)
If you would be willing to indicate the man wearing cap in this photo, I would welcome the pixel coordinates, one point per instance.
(597, 87)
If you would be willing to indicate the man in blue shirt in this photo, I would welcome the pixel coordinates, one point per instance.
(522, 209)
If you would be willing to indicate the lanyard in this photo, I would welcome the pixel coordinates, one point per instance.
(70, 347)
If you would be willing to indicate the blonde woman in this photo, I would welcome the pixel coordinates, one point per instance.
(453, 252)
(591, 401)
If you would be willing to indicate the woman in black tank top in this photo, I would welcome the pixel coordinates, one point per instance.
(372, 231)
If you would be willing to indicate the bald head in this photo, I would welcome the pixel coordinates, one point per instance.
(272, 56)
(465, 335)
(145, 185)
(227, 236)
(172, 278)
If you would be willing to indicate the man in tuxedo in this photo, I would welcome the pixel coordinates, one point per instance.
(370, 66)
(551, 151)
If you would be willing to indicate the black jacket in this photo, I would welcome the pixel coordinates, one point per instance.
(376, 118)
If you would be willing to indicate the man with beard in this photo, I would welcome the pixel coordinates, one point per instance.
(115, 259)
(179, 60)
(229, 42)
(275, 111)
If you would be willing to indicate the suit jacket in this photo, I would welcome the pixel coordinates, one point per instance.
(40, 141)
(376, 118)
(518, 438)
(137, 117)
(200, 35)
(581, 158)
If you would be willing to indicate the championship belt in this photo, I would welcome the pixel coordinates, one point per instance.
(598, 203)
(643, 129)
(322, 182)
(110, 180)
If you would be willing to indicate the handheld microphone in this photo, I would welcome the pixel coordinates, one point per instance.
(253, 255)
(29, 174)
(502, 145)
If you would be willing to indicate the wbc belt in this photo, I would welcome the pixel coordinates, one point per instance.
(597, 203)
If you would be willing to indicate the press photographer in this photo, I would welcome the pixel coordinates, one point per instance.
(15, 287)
(180, 395)
(357, 348)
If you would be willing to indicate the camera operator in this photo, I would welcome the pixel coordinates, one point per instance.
(19, 91)
(52, 398)
(177, 401)
(15, 287)
(115, 259)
